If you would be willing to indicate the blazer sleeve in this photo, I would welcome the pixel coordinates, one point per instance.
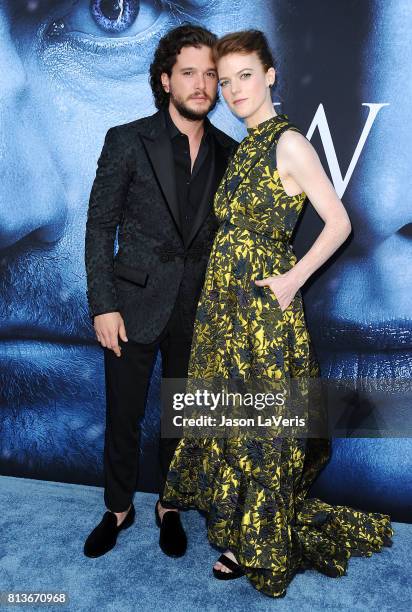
(106, 203)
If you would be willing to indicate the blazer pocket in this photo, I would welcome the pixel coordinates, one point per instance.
(129, 276)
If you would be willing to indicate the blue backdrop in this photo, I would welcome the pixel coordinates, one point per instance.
(69, 70)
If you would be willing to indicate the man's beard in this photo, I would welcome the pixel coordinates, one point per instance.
(187, 112)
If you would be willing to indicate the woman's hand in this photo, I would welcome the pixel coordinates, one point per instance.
(284, 286)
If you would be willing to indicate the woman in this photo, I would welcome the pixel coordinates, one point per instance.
(250, 326)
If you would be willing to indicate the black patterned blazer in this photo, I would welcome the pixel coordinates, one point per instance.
(134, 197)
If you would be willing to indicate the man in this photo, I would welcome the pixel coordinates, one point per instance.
(51, 364)
(155, 182)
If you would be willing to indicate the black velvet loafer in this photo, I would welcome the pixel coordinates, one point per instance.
(103, 537)
(172, 538)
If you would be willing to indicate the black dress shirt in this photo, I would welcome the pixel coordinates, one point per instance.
(190, 184)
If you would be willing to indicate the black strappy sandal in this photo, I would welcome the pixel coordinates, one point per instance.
(236, 572)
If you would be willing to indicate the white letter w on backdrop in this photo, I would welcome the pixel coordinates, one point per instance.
(319, 121)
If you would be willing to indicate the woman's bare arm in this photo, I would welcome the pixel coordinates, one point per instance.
(298, 159)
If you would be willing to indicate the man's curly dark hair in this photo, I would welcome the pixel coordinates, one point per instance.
(170, 45)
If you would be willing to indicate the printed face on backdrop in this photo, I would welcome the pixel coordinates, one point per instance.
(361, 307)
(70, 69)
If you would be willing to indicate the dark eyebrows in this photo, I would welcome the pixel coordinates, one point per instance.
(193, 68)
(238, 72)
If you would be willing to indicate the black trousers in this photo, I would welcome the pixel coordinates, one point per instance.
(127, 381)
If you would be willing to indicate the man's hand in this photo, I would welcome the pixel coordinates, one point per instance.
(108, 328)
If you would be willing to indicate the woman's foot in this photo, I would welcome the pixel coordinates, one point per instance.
(222, 568)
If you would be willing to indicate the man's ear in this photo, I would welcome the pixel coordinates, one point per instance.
(271, 76)
(165, 81)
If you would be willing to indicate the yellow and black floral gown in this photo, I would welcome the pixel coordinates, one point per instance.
(254, 489)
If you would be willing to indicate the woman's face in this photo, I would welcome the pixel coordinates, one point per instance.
(244, 83)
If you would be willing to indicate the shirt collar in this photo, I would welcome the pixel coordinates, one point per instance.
(171, 128)
(174, 131)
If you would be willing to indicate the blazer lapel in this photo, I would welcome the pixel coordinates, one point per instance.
(159, 151)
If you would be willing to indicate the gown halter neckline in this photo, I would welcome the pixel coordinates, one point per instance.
(265, 125)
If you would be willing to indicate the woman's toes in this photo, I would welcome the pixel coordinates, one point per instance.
(221, 568)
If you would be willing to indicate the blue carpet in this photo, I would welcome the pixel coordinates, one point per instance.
(44, 525)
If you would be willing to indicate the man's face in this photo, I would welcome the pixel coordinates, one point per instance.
(193, 82)
(69, 70)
